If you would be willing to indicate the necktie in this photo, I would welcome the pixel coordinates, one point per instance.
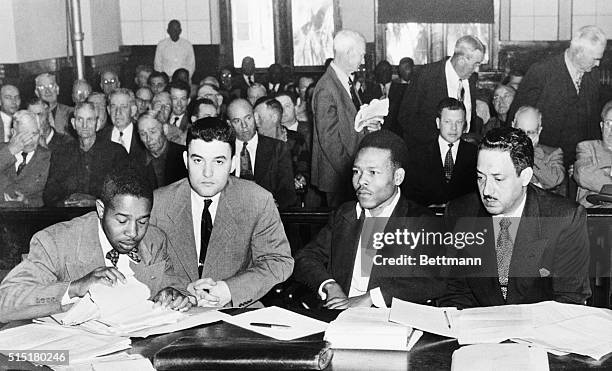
(250, 80)
(113, 256)
(503, 248)
(354, 95)
(205, 232)
(383, 88)
(460, 91)
(246, 170)
(121, 141)
(22, 165)
(448, 163)
(176, 121)
(577, 82)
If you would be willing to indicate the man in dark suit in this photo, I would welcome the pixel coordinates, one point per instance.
(565, 88)
(334, 138)
(534, 245)
(289, 119)
(225, 234)
(247, 78)
(395, 93)
(48, 90)
(24, 164)
(276, 80)
(10, 100)
(265, 160)
(335, 263)
(179, 94)
(452, 77)
(100, 247)
(444, 168)
(122, 111)
(164, 159)
(77, 171)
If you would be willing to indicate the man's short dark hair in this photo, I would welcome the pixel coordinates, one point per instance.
(288, 93)
(36, 101)
(180, 85)
(406, 60)
(511, 140)
(125, 180)
(385, 139)
(144, 68)
(198, 102)
(212, 128)
(156, 74)
(451, 104)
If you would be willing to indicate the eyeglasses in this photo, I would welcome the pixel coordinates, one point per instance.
(504, 97)
(111, 81)
(607, 124)
(43, 87)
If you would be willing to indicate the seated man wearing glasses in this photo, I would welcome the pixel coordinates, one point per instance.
(48, 90)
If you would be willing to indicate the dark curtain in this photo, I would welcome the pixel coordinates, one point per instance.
(435, 11)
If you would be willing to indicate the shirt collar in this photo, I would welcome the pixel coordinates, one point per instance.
(50, 136)
(293, 126)
(104, 242)
(517, 213)
(342, 76)
(451, 74)
(127, 131)
(6, 117)
(387, 211)
(444, 143)
(198, 200)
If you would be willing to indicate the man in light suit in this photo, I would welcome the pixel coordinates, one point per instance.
(225, 233)
(534, 244)
(565, 88)
(334, 138)
(100, 247)
(48, 90)
(453, 77)
(333, 263)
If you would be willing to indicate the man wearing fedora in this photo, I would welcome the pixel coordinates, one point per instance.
(593, 167)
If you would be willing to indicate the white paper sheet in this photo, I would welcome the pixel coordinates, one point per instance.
(300, 325)
(377, 108)
(423, 317)
(499, 357)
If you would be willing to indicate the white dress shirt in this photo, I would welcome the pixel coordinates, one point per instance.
(246, 79)
(197, 206)
(252, 147)
(444, 149)
(292, 127)
(175, 122)
(50, 136)
(19, 158)
(359, 284)
(452, 86)
(127, 136)
(170, 56)
(6, 121)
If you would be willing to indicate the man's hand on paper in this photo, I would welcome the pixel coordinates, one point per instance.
(364, 300)
(336, 298)
(173, 299)
(210, 293)
(104, 275)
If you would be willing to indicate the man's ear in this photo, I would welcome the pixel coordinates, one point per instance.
(73, 122)
(526, 176)
(100, 208)
(398, 176)
(133, 111)
(438, 123)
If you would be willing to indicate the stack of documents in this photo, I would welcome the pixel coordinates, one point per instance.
(369, 328)
(556, 327)
(81, 345)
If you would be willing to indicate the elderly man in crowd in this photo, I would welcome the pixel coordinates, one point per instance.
(141, 78)
(548, 169)
(144, 96)
(80, 91)
(593, 167)
(158, 81)
(49, 138)
(48, 90)
(109, 82)
(10, 100)
(24, 164)
(99, 101)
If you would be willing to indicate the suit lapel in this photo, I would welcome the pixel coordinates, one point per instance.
(182, 232)
(88, 249)
(343, 259)
(345, 97)
(262, 159)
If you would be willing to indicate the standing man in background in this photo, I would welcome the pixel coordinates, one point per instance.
(173, 52)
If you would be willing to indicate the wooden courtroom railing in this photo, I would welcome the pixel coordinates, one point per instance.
(18, 225)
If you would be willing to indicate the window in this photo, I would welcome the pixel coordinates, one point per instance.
(253, 31)
(313, 31)
(430, 42)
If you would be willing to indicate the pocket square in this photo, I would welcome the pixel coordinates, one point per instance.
(544, 272)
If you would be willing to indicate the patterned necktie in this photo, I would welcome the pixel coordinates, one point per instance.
(205, 232)
(354, 95)
(176, 121)
(22, 165)
(448, 163)
(246, 170)
(503, 249)
(113, 256)
(460, 91)
(577, 83)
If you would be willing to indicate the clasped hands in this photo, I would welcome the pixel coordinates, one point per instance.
(210, 293)
(372, 124)
(337, 299)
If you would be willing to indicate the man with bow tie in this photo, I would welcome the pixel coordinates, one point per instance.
(101, 247)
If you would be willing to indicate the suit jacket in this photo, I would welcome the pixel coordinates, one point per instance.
(397, 90)
(334, 139)
(418, 111)
(592, 169)
(425, 181)
(67, 251)
(550, 257)
(61, 120)
(2, 130)
(567, 117)
(239, 86)
(248, 248)
(174, 167)
(137, 154)
(548, 169)
(274, 170)
(30, 182)
(331, 255)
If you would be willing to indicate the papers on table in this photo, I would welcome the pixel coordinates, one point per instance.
(499, 357)
(556, 327)
(80, 345)
(297, 325)
(114, 362)
(376, 109)
(373, 328)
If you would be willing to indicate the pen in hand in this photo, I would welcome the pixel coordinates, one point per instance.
(269, 325)
(447, 319)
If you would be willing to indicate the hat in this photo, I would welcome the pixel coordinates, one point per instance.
(605, 195)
